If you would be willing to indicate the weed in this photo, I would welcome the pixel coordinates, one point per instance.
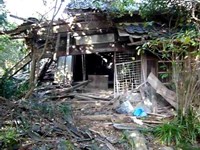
(22, 88)
(126, 139)
(13, 88)
(8, 136)
(47, 109)
(192, 125)
(187, 147)
(25, 125)
(183, 129)
(65, 144)
(7, 88)
(169, 133)
(65, 110)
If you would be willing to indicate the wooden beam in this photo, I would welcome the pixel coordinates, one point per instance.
(136, 43)
(19, 65)
(44, 70)
(57, 46)
(83, 66)
(144, 66)
(92, 32)
(67, 44)
(89, 49)
(138, 36)
(92, 25)
(167, 94)
(122, 33)
(95, 39)
(33, 68)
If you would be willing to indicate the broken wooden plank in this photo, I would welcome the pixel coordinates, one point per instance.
(152, 122)
(167, 94)
(67, 90)
(76, 86)
(81, 97)
(110, 139)
(159, 115)
(44, 70)
(19, 65)
(109, 145)
(125, 126)
(96, 117)
(3, 99)
(141, 85)
(103, 117)
(87, 98)
(86, 95)
(77, 101)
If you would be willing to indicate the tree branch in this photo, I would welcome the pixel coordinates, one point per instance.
(45, 45)
(196, 19)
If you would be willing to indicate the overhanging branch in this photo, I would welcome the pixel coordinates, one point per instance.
(196, 19)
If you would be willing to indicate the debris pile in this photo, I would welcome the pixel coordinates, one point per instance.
(148, 98)
(73, 117)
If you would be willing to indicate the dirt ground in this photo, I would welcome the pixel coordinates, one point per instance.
(73, 122)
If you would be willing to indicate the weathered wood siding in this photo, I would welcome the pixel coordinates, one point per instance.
(95, 39)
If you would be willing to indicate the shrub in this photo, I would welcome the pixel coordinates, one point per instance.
(12, 88)
(183, 129)
(8, 136)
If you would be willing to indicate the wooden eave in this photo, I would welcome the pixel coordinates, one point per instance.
(88, 49)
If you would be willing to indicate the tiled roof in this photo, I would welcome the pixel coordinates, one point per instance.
(86, 4)
(98, 5)
(140, 29)
(80, 5)
(143, 28)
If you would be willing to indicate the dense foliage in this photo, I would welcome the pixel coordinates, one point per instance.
(166, 8)
(177, 11)
(118, 8)
(2, 13)
(180, 131)
(11, 51)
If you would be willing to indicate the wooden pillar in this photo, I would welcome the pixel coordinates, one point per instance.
(83, 67)
(33, 68)
(67, 54)
(143, 67)
(115, 74)
(57, 46)
(67, 44)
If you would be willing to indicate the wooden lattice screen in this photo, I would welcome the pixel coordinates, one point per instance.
(127, 74)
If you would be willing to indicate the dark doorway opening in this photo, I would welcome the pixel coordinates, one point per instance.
(96, 64)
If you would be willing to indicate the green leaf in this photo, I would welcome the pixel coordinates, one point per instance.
(186, 40)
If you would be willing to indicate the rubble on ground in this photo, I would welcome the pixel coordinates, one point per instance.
(60, 117)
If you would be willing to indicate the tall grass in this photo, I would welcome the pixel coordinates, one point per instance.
(181, 130)
(185, 128)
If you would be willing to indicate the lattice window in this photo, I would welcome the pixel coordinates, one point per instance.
(127, 76)
(122, 57)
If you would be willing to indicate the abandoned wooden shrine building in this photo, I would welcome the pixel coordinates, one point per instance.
(91, 45)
